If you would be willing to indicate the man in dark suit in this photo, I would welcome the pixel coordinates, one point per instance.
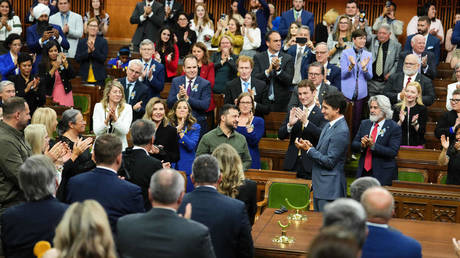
(247, 83)
(301, 52)
(303, 121)
(172, 10)
(378, 140)
(225, 217)
(277, 70)
(382, 240)
(427, 58)
(138, 165)
(432, 42)
(394, 87)
(385, 55)
(332, 72)
(297, 13)
(328, 157)
(117, 196)
(316, 75)
(161, 231)
(195, 89)
(153, 73)
(136, 93)
(149, 16)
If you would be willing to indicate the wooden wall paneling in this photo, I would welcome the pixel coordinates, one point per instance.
(372, 8)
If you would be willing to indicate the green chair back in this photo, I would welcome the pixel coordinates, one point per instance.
(297, 194)
(443, 179)
(411, 176)
(81, 102)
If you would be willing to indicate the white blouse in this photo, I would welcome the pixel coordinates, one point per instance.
(120, 128)
(15, 25)
(255, 35)
(207, 30)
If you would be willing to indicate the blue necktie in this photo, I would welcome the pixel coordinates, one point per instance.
(245, 86)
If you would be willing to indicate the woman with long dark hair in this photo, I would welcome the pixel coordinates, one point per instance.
(167, 52)
(185, 36)
(96, 10)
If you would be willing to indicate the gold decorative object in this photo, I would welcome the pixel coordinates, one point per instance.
(283, 239)
(297, 216)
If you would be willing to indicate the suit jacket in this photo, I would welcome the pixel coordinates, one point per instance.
(35, 97)
(25, 224)
(226, 219)
(177, 7)
(307, 58)
(138, 167)
(288, 17)
(33, 37)
(456, 35)
(233, 90)
(200, 95)
(96, 58)
(168, 138)
(444, 125)
(334, 75)
(141, 93)
(157, 83)
(394, 86)
(187, 150)
(429, 71)
(75, 23)
(329, 155)
(386, 148)
(247, 193)
(388, 242)
(432, 45)
(149, 28)
(162, 233)
(117, 196)
(323, 91)
(282, 81)
(7, 66)
(391, 60)
(47, 81)
(311, 132)
(349, 78)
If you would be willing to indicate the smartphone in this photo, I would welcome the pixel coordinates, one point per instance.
(222, 16)
(49, 28)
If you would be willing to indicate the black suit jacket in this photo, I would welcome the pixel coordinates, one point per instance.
(162, 233)
(47, 80)
(141, 93)
(149, 28)
(311, 132)
(226, 219)
(248, 195)
(445, 123)
(394, 85)
(323, 91)
(177, 8)
(168, 138)
(431, 63)
(138, 167)
(282, 82)
(233, 90)
(34, 97)
(96, 58)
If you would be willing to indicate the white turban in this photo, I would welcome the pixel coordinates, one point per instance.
(41, 9)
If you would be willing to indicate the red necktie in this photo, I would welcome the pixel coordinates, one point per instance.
(408, 81)
(368, 158)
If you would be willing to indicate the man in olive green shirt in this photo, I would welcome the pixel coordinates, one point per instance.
(225, 133)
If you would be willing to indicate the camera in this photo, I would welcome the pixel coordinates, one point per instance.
(362, 16)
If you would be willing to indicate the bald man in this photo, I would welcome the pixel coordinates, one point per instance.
(427, 58)
(383, 241)
(394, 87)
(433, 44)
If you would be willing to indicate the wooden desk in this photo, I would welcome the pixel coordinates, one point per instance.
(435, 237)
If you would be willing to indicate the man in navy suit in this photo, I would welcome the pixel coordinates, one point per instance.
(117, 196)
(196, 90)
(333, 73)
(432, 42)
(225, 217)
(378, 140)
(427, 58)
(328, 176)
(301, 52)
(297, 13)
(303, 121)
(136, 92)
(382, 240)
(153, 73)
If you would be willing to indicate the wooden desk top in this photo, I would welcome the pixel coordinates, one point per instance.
(435, 237)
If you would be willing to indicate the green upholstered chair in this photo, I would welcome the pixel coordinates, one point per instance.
(82, 102)
(277, 190)
(413, 175)
(442, 177)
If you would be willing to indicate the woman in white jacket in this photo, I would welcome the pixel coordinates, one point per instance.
(113, 114)
(251, 34)
(202, 25)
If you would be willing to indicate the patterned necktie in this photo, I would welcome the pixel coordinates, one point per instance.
(189, 88)
(368, 158)
(408, 81)
(130, 91)
(297, 67)
(379, 64)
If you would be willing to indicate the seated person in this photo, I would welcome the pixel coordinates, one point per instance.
(427, 58)
(122, 59)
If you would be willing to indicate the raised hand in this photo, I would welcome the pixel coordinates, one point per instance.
(292, 117)
(414, 118)
(137, 106)
(402, 116)
(351, 59)
(365, 62)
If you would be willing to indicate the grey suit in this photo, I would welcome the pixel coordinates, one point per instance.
(150, 27)
(323, 91)
(162, 233)
(391, 63)
(328, 177)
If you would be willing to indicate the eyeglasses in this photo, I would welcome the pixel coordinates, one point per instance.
(245, 102)
(455, 100)
(321, 52)
(406, 63)
(313, 74)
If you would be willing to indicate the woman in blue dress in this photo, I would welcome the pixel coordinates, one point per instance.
(252, 127)
(188, 131)
(9, 61)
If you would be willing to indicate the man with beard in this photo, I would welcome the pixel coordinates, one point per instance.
(225, 133)
(432, 43)
(378, 140)
(394, 87)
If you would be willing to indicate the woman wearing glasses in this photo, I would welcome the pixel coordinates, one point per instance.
(451, 119)
(453, 86)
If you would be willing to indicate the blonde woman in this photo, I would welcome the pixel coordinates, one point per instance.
(37, 137)
(202, 25)
(84, 231)
(232, 30)
(411, 115)
(47, 117)
(113, 114)
(233, 183)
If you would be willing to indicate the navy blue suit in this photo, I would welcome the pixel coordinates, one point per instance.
(96, 58)
(199, 99)
(140, 92)
(432, 44)
(288, 17)
(117, 196)
(157, 83)
(386, 148)
(226, 219)
(388, 242)
(25, 224)
(456, 35)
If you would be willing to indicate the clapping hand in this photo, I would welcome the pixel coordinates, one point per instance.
(365, 62)
(424, 61)
(137, 106)
(365, 141)
(351, 59)
(293, 117)
(182, 92)
(414, 119)
(402, 116)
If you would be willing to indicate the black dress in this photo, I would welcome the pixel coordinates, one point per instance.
(411, 137)
(248, 195)
(453, 167)
(184, 47)
(167, 137)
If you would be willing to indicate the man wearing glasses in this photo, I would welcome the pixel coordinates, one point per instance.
(394, 87)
